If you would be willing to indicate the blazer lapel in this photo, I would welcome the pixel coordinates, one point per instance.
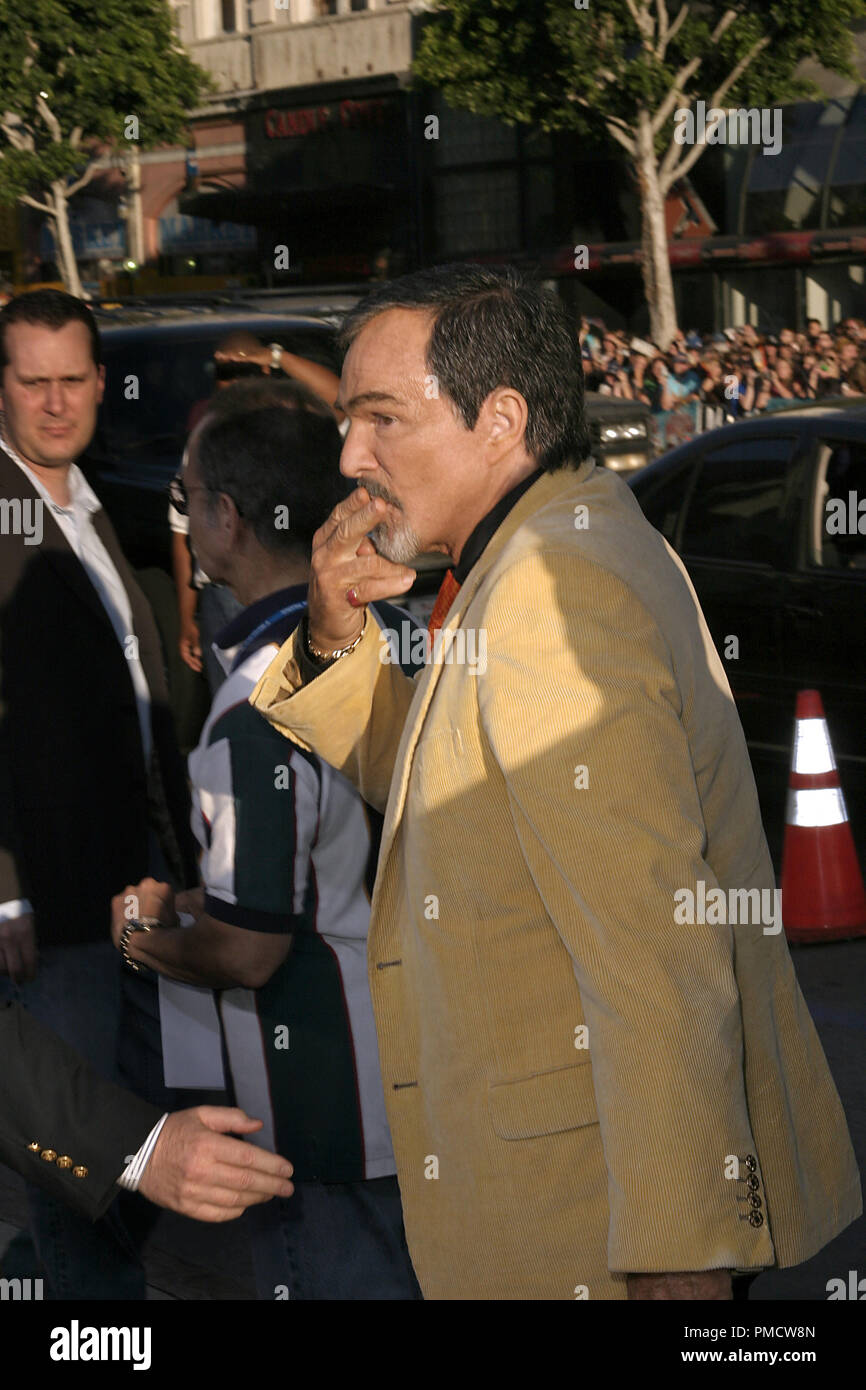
(143, 625)
(55, 548)
(541, 492)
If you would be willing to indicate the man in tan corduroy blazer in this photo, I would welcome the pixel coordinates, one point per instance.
(589, 1095)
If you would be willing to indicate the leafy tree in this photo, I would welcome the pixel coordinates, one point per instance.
(621, 69)
(77, 78)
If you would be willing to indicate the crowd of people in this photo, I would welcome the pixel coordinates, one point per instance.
(740, 370)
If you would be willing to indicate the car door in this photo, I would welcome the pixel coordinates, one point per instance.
(824, 635)
(737, 541)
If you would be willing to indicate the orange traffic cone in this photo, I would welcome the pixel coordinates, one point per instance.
(823, 898)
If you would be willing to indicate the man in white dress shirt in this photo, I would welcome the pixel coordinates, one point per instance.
(92, 791)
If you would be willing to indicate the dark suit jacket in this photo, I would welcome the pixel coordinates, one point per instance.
(73, 782)
(53, 1108)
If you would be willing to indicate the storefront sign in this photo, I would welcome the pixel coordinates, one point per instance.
(89, 239)
(181, 233)
(314, 120)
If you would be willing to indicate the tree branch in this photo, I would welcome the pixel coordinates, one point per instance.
(687, 72)
(608, 120)
(669, 169)
(50, 120)
(18, 139)
(669, 176)
(32, 203)
(84, 179)
(673, 30)
(662, 12)
(724, 24)
(738, 71)
(628, 144)
(639, 11)
(675, 94)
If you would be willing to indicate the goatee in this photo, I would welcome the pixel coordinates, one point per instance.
(397, 542)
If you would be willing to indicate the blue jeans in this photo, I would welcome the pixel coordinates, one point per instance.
(333, 1241)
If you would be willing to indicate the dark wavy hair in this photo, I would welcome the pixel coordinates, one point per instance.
(52, 309)
(268, 443)
(492, 327)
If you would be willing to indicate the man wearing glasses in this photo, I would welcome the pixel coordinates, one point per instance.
(204, 607)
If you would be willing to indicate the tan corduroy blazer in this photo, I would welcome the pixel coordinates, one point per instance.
(580, 1081)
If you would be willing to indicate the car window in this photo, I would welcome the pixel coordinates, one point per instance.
(661, 498)
(150, 389)
(153, 384)
(736, 509)
(841, 502)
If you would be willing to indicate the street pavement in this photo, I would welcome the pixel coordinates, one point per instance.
(189, 1260)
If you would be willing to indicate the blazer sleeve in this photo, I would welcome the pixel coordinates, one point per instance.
(581, 708)
(50, 1099)
(11, 884)
(352, 715)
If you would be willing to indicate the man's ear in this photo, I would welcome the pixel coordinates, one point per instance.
(229, 517)
(100, 388)
(506, 415)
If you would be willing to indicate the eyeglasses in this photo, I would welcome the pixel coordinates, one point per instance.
(178, 494)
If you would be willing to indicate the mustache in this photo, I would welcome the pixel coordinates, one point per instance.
(377, 490)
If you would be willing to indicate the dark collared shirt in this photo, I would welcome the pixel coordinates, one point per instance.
(483, 533)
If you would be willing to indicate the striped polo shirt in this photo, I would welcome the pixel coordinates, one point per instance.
(288, 846)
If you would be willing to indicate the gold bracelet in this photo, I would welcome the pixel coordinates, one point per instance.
(341, 651)
(135, 924)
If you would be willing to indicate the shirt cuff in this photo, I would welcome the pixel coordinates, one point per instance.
(309, 666)
(16, 907)
(137, 1162)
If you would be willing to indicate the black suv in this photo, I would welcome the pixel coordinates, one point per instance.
(159, 365)
(769, 516)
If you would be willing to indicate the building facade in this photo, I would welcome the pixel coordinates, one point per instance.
(315, 160)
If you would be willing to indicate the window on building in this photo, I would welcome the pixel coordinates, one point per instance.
(477, 211)
(846, 205)
(467, 139)
(785, 190)
(229, 19)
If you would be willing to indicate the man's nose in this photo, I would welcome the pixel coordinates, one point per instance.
(356, 457)
(54, 399)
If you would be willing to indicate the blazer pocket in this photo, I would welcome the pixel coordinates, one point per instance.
(546, 1103)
